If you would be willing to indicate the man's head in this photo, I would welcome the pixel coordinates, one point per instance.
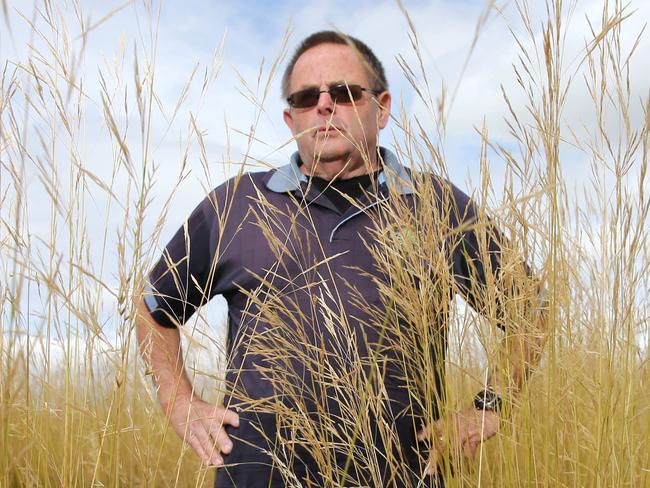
(336, 128)
(374, 68)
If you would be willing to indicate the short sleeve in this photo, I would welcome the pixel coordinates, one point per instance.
(178, 284)
(476, 255)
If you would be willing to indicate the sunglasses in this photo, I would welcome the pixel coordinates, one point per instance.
(340, 93)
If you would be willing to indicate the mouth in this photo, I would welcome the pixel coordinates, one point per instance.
(328, 130)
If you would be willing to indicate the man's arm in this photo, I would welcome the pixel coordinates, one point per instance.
(520, 352)
(198, 423)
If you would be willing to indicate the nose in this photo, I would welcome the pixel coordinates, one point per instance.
(325, 104)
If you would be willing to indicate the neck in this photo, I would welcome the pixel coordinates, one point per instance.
(341, 168)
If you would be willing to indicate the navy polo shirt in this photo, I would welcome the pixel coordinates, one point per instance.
(308, 327)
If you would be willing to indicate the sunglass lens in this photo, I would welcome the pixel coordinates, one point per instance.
(305, 98)
(345, 93)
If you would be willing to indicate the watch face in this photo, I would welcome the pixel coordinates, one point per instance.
(491, 403)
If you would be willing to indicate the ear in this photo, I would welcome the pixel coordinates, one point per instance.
(383, 109)
(288, 119)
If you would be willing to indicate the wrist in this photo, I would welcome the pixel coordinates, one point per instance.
(171, 394)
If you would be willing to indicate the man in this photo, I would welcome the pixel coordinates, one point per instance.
(321, 386)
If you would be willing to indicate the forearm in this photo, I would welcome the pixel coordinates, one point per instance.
(520, 352)
(161, 349)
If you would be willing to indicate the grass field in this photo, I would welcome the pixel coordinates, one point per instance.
(77, 406)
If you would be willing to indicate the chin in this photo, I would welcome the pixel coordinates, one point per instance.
(332, 150)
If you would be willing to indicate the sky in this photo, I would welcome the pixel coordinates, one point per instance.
(248, 37)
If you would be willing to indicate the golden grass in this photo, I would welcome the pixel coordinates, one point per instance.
(76, 405)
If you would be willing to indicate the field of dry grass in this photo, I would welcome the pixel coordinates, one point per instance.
(76, 403)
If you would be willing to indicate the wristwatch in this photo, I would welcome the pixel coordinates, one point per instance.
(488, 400)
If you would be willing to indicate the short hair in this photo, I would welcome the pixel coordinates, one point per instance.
(372, 65)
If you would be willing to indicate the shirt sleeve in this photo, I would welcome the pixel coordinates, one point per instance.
(477, 255)
(179, 283)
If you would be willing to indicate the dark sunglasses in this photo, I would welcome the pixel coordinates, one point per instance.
(340, 93)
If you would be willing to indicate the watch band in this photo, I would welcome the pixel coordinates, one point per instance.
(488, 400)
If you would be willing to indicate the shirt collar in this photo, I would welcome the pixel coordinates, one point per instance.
(394, 175)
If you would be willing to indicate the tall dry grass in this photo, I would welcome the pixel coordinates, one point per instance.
(76, 404)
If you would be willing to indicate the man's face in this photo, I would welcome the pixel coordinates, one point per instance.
(331, 132)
